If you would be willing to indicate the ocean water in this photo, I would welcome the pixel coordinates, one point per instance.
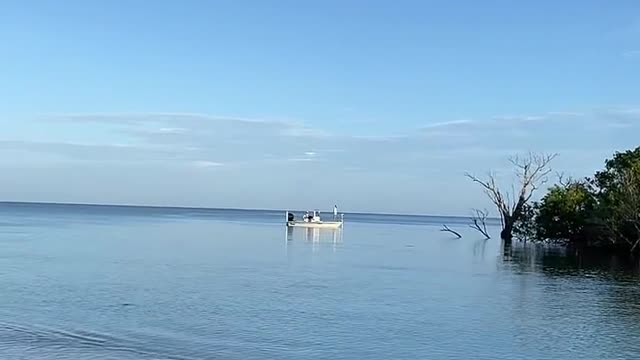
(91, 282)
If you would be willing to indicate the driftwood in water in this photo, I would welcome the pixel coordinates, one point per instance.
(479, 222)
(446, 229)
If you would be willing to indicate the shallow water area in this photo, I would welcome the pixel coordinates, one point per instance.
(150, 283)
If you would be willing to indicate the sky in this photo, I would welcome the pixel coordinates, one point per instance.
(377, 106)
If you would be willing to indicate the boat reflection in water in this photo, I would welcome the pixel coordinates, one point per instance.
(315, 235)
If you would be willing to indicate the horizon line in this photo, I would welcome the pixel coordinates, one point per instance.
(14, 202)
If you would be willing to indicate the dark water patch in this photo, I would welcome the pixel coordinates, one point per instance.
(564, 262)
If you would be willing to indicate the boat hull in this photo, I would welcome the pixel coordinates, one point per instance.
(316, 225)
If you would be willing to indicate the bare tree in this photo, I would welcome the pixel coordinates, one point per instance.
(479, 222)
(447, 229)
(531, 171)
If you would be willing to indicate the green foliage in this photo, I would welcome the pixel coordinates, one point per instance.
(609, 180)
(619, 196)
(525, 228)
(565, 211)
(603, 211)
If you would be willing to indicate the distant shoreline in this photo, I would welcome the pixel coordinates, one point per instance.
(173, 207)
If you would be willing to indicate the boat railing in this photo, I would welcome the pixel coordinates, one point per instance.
(289, 218)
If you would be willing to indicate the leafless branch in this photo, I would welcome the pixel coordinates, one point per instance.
(447, 229)
(493, 192)
(564, 181)
(479, 222)
(532, 172)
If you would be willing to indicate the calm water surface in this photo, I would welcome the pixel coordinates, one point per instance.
(84, 282)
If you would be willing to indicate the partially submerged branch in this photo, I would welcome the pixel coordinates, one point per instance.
(479, 222)
(445, 228)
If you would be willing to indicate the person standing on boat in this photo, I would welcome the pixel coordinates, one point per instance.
(335, 212)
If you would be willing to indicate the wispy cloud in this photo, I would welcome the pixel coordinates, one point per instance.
(206, 164)
(172, 130)
(190, 138)
(446, 124)
(426, 164)
(515, 118)
(146, 117)
(94, 152)
(631, 54)
(499, 121)
(301, 131)
(565, 113)
(178, 121)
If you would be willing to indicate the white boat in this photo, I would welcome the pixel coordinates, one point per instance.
(313, 220)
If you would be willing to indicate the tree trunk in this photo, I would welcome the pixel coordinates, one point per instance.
(507, 230)
(506, 235)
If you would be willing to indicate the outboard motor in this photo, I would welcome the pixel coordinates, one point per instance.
(290, 216)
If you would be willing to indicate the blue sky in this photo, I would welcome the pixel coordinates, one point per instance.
(374, 105)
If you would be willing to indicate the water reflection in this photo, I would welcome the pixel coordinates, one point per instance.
(479, 247)
(315, 236)
(560, 261)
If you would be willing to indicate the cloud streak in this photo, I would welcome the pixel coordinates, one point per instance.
(190, 138)
(206, 164)
(191, 159)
